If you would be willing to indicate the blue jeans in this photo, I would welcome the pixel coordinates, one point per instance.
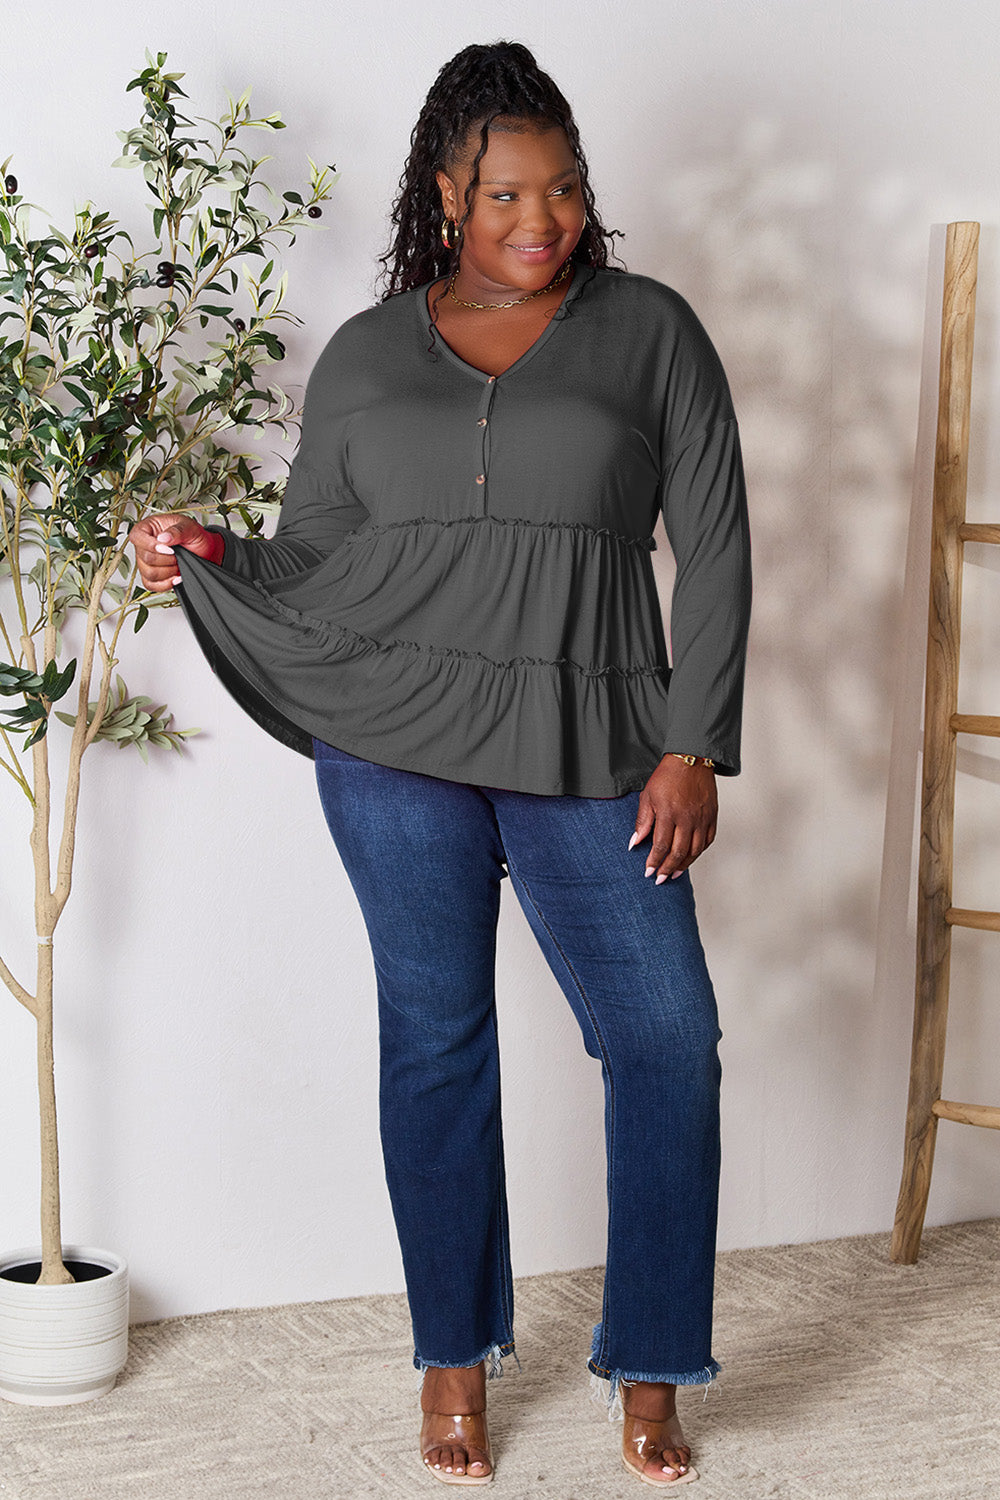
(425, 857)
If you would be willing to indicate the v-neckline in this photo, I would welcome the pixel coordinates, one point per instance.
(424, 311)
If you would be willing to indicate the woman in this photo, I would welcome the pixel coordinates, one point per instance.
(457, 619)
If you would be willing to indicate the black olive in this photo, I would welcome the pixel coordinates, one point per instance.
(91, 251)
(10, 183)
(164, 281)
(95, 458)
(239, 325)
(130, 399)
(166, 268)
(315, 212)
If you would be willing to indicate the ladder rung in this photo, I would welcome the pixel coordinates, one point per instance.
(974, 724)
(969, 531)
(967, 1114)
(957, 916)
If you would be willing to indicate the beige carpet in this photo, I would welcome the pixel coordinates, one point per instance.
(844, 1375)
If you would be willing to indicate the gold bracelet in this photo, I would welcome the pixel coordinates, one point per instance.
(693, 760)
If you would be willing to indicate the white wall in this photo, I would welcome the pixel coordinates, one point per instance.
(782, 165)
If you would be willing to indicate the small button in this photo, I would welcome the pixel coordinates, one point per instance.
(480, 478)
(481, 422)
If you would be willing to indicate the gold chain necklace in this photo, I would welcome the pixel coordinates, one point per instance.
(496, 306)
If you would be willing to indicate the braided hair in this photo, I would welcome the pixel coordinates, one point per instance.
(480, 84)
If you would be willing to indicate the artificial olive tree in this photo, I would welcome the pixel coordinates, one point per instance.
(118, 373)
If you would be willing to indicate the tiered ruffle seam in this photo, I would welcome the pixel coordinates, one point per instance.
(295, 617)
(644, 543)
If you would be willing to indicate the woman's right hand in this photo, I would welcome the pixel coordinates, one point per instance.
(154, 539)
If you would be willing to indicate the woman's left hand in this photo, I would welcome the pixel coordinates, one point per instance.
(679, 805)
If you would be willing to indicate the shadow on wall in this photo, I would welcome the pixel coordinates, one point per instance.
(813, 290)
(761, 242)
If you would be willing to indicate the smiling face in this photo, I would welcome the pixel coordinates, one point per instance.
(527, 211)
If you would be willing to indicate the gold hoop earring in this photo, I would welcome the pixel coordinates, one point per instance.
(447, 226)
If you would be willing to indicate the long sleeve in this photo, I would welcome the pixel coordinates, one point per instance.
(704, 508)
(319, 506)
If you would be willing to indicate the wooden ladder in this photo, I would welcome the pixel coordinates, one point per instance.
(942, 722)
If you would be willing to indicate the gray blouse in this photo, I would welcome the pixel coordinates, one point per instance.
(460, 580)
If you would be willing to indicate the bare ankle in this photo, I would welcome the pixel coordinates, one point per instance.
(451, 1384)
(653, 1399)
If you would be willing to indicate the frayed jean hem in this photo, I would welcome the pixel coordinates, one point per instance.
(493, 1355)
(615, 1379)
(612, 1399)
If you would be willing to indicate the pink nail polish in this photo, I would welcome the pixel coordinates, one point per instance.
(660, 879)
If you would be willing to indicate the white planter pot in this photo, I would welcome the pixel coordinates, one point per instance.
(61, 1344)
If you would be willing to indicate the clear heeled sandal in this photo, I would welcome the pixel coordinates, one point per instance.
(468, 1431)
(644, 1436)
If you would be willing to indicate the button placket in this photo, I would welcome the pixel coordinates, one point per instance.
(483, 415)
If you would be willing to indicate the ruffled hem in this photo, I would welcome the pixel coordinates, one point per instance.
(551, 726)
